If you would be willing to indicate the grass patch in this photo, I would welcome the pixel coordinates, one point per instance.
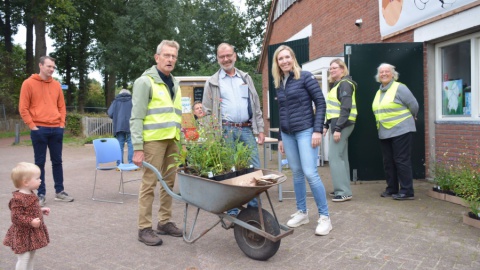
(11, 134)
(68, 139)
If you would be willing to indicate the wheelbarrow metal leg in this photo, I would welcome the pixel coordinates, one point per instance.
(271, 207)
(260, 213)
(189, 238)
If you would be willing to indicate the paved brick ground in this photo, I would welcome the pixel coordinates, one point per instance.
(369, 232)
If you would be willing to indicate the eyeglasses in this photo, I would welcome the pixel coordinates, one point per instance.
(169, 56)
(227, 56)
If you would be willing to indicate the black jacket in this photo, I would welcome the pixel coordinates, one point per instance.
(295, 104)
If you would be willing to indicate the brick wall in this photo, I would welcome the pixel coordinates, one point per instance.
(333, 25)
(454, 140)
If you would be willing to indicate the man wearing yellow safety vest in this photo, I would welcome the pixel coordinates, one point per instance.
(395, 110)
(341, 117)
(155, 127)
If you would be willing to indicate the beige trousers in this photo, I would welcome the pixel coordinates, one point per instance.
(158, 154)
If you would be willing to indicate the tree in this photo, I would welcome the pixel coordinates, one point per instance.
(12, 74)
(204, 25)
(257, 16)
(9, 20)
(74, 34)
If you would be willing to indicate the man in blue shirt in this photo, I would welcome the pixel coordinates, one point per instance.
(230, 96)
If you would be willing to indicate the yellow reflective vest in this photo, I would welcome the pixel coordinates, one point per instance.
(333, 104)
(164, 115)
(388, 113)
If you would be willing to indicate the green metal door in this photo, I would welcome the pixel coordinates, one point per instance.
(300, 47)
(364, 146)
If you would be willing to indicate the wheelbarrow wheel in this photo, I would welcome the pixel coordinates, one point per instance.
(253, 245)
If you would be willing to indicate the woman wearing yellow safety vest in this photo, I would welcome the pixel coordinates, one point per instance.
(395, 110)
(341, 116)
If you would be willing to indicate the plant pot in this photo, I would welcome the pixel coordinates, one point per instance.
(249, 170)
(241, 172)
(471, 220)
(436, 194)
(225, 176)
(456, 200)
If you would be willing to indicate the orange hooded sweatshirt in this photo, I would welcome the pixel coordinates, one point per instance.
(42, 103)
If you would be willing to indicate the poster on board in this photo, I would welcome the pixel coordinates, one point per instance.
(452, 98)
(397, 15)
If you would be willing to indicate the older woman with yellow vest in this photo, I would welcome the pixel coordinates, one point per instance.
(341, 116)
(395, 110)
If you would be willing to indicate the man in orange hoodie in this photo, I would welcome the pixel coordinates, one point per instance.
(42, 108)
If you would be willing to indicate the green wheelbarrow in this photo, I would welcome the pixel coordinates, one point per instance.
(257, 232)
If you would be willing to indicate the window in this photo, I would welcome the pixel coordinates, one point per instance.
(457, 79)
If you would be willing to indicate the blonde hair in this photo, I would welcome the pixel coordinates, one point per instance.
(22, 171)
(342, 65)
(392, 69)
(277, 72)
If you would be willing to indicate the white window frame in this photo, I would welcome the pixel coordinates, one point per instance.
(475, 75)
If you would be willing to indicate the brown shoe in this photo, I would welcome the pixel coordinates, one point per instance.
(148, 237)
(169, 228)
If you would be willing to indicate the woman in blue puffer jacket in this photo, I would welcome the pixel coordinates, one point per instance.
(301, 133)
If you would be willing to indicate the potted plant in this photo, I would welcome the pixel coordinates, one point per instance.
(442, 181)
(242, 158)
(208, 154)
(456, 179)
(472, 218)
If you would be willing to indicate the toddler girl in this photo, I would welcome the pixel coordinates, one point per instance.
(27, 232)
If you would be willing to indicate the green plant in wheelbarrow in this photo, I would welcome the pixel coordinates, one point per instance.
(242, 157)
(211, 156)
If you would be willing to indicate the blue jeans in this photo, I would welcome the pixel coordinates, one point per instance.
(123, 137)
(302, 159)
(245, 135)
(51, 137)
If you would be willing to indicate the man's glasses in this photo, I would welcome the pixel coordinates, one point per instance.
(227, 56)
(168, 56)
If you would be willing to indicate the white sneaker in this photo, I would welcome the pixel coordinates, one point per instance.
(324, 225)
(299, 218)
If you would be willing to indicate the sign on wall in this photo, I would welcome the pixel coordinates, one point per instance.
(397, 15)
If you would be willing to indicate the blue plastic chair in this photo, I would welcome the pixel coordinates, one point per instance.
(107, 153)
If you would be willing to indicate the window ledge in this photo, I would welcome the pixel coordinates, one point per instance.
(461, 122)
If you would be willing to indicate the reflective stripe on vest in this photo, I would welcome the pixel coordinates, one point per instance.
(333, 104)
(164, 116)
(387, 112)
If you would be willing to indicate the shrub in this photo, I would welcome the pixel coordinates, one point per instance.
(443, 177)
(74, 124)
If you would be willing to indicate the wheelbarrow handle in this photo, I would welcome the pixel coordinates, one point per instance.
(162, 182)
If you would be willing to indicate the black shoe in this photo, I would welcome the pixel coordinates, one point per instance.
(402, 197)
(341, 198)
(386, 194)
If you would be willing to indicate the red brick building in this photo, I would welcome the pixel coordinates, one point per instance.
(449, 36)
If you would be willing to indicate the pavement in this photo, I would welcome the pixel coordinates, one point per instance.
(369, 232)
